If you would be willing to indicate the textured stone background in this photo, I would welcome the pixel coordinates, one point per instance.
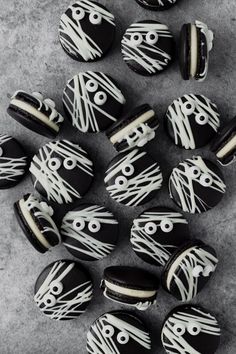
(31, 59)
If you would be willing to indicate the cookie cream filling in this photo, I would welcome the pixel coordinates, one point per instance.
(34, 112)
(31, 223)
(193, 51)
(227, 148)
(141, 294)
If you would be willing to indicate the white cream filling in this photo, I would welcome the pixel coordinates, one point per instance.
(141, 294)
(31, 110)
(193, 51)
(230, 146)
(123, 132)
(31, 223)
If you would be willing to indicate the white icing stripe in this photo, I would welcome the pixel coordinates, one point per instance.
(229, 147)
(161, 3)
(140, 294)
(193, 51)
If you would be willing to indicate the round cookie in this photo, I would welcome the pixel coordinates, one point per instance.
(63, 290)
(192, 121)
(36, 113)
(13, 162)
(156, 5)
(131, 286)
(190, 329)
(133, 179)
(121, 331)
(157, 233)
(92, 101)
(86, 31)
(148, 47)
(196, 185)
(89, 232)
(189, 269)
(35, 219)
(61, 171)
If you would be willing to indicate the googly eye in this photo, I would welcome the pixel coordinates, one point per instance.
(207, 271)
(78, 13)
(108, 331)
(95, 18)
(49, 300)
(121, 182)
(91, 85)
(128, 170)
(194, 329)
(188, 108)
(1, 151)
(202, 118)
(179, 329)
(206, 180)
(56, 287)
(166, 225)
(136, 39)
(100, 98)
(197, 271)
(152, 37)
(94, 226)
(54, 164)
(78, 224)
(150, 228)
(69, 163)
(194, 172)
(122, 338)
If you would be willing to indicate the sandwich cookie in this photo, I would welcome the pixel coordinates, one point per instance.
(189, 269)
(118, 332)
(89, 232)
(36, 113)
(190, 329)
(156, 5)
(87, 30)
(192, 121)
(13, 162)
(130, 286)
(63, 290)
(196, 41)
(133, 178)
(134, 130)
(157, 233)
(92, 101)
(61, 171)
(148, 47)
(224, 145)
(196, 185)
(35, 219)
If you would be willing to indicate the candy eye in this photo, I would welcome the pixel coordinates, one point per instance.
(108, 331)
(179, 329)
(194, 329)
(49, 300)
(166, 225)
(194, 172)
(128, 170)
(78, 224)
(150, 228)
(151, 37)
(197, 271)
(54, 164)
(202, 118)
(136, 39)
(121, 182)
(91, 85)
(206, 180)
(95, 18)
(188, 108)
(78, 13)
(56, 287)
(1, 151)
(207, 271)
(94, 226)
(100, 98)
(69, 163)
(123, 338)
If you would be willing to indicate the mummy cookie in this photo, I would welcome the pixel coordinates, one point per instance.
(89, 232)
(36, 113)
(196, 41)
(157, 233)
(130, 286)
(63, 290)
(189, 269)
(133, 179)
(118, 332)
(156, 5)
(190, 329)
(61, 171)
(87, 30)
(192, 121)
(13, 162)
(224, 145)
(148, 47)
(196, 185)
(92, 101)
(134, 130)
(35, 219)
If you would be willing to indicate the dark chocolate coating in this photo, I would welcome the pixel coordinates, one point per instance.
(184, 51)
(157, 5)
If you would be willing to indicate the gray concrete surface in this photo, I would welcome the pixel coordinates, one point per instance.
(31, 58)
